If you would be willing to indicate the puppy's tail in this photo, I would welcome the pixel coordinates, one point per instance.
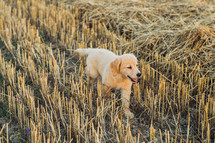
(84, 52)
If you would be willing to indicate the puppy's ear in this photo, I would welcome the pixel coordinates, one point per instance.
(115, 66)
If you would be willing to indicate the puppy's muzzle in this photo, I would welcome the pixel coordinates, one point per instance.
(139, 74)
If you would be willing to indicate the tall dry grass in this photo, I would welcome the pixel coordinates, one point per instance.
(44, 85)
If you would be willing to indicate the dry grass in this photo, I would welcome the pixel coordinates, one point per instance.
(43, 85)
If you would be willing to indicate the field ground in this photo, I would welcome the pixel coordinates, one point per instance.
(43, 92)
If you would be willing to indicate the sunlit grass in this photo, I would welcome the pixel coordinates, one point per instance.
(44, 85)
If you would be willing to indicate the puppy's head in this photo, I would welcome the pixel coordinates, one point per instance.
(126, 65)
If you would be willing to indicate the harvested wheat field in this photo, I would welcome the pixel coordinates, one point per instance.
(43, 85)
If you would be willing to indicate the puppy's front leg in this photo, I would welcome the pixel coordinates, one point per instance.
(106, 91)
(125, 95)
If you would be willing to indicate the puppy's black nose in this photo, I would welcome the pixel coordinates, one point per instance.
(139, 74)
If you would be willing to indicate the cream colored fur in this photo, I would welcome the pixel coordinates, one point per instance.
(117, 72)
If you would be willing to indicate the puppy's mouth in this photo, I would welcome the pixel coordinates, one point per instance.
(133, 79)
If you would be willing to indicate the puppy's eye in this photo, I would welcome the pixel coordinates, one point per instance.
(129, 67)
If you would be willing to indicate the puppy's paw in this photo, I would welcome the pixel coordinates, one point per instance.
(106, 96)
(76, 52)
(129, 114)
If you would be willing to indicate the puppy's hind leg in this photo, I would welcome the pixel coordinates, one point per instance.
(91, 75)
(90, 81)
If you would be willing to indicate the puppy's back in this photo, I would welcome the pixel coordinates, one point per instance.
(95, 51)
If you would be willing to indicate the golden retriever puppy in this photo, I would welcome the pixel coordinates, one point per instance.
(117, 72)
